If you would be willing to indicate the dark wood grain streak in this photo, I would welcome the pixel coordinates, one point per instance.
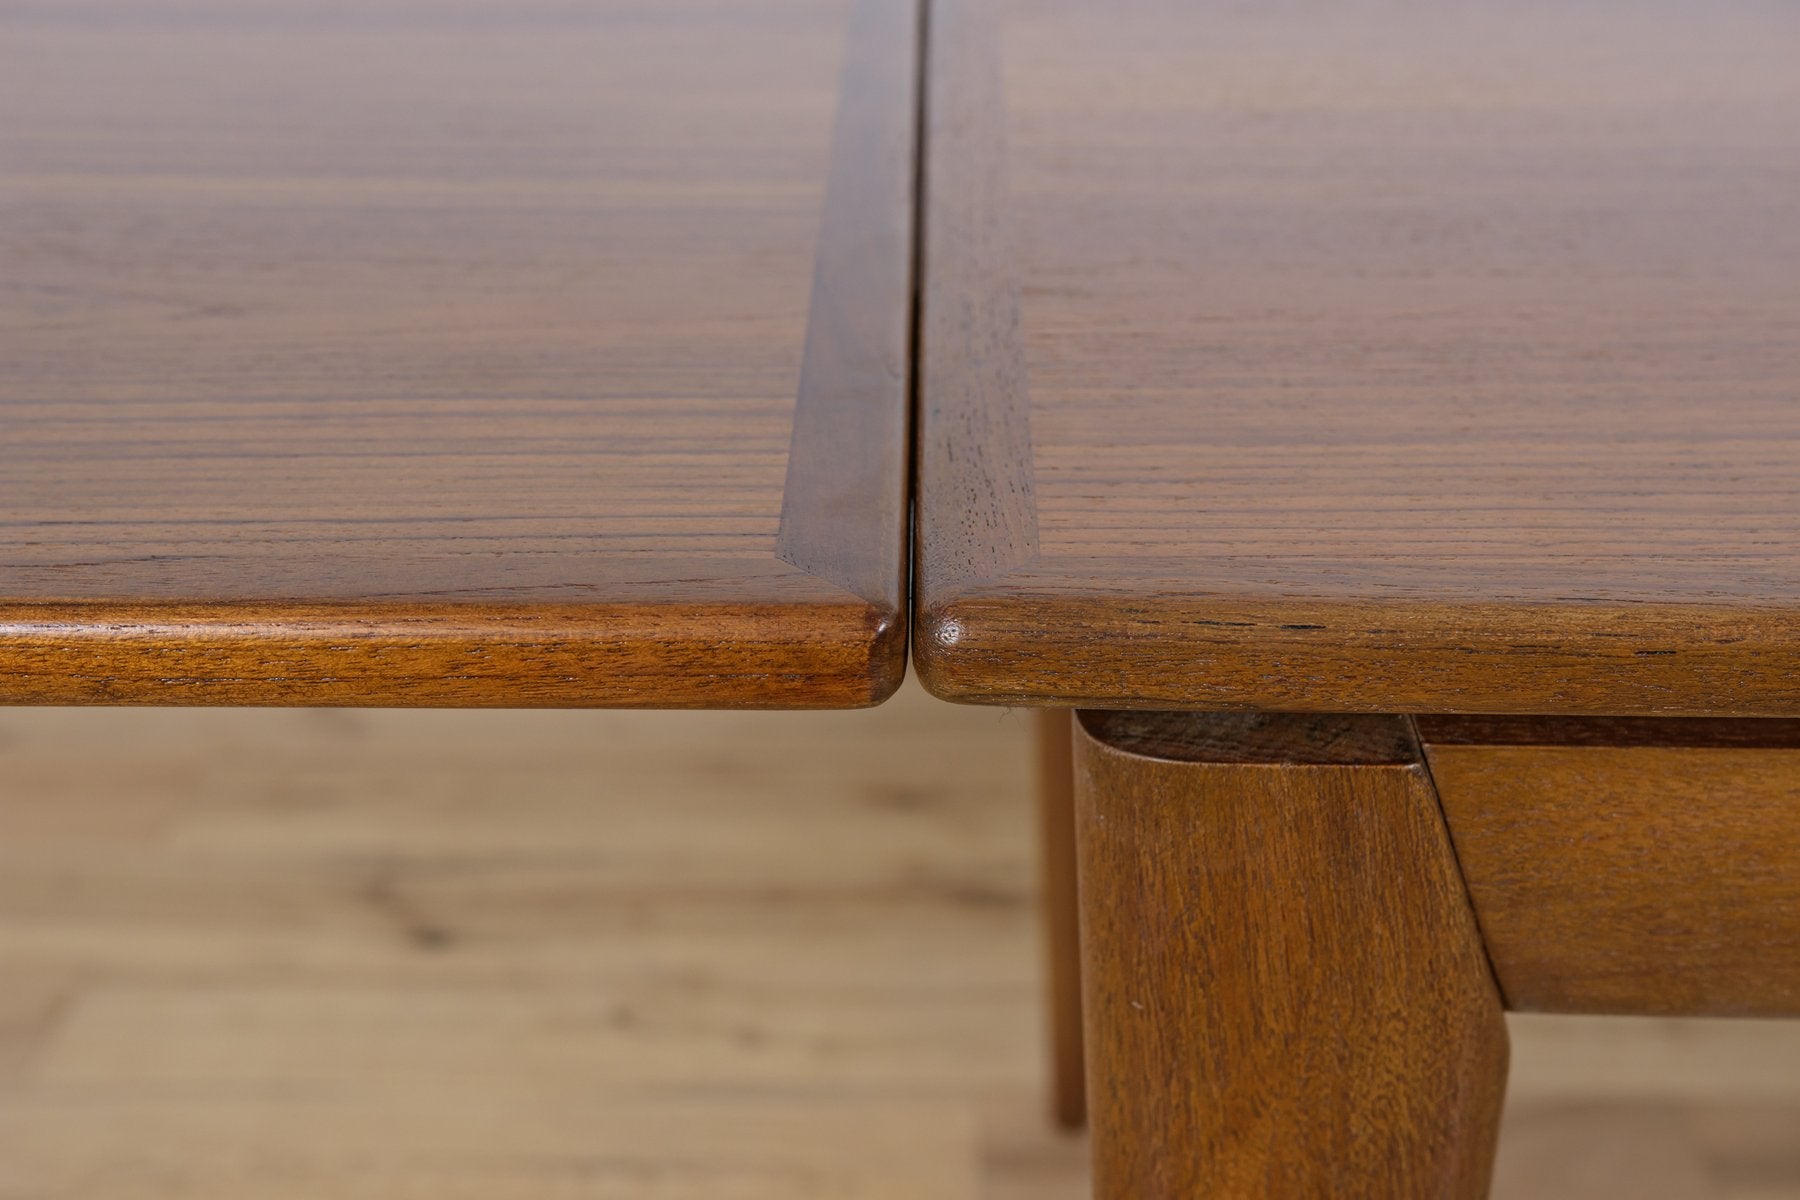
(1285, 989)
(1630, 867)
(1693, 733)
(975, 425)
(843, 514)
(1386, 359)
(1292, 739)
(458, 343)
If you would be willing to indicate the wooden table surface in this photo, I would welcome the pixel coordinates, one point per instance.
(1363, 356)
(454, 353)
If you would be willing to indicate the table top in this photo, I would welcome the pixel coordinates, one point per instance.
(454, 353)
(1362, 356)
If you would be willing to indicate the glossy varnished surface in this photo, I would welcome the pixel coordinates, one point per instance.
(1364, 357)
(452, 352)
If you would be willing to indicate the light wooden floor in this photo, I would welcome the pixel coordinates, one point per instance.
(730, 956)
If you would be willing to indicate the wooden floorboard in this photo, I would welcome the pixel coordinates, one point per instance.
(737, 955)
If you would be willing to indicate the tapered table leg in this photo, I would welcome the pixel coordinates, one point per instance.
(1061, 915)
(1285, 989)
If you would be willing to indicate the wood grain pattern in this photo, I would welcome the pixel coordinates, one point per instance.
(520, 956)
(366, 954)
(1285, 989)
(467, 656)
(845, 505)
(336, 330)
(1659, 873)
(971, 365)
(1381, 359)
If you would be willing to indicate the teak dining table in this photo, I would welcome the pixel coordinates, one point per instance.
(1381, 424)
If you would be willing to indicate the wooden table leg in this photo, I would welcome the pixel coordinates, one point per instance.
(1061, 915)
(1285, 989)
